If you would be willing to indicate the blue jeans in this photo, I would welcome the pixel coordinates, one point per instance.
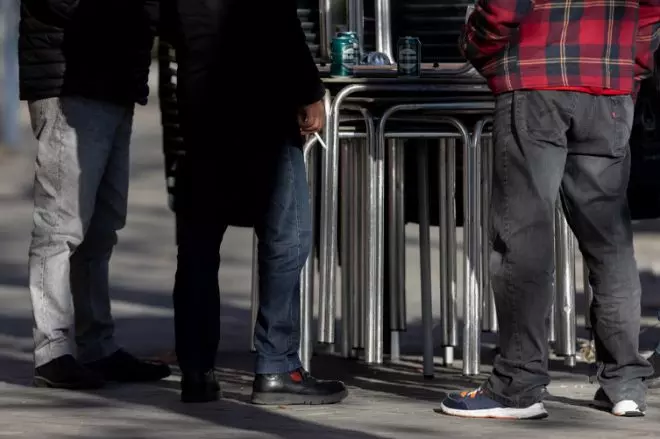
(280, 200)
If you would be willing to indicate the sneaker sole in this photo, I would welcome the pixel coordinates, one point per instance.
(46, 383)
(633, 414)
(259, 398)
(535, 411)
(625, 411)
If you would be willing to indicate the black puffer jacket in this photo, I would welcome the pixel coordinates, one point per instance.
(239, 57)
(244, 71)
(99, 49)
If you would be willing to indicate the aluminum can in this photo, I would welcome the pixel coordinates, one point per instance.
(409, 56)
(345, 54)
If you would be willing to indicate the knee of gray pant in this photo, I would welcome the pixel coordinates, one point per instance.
(43, 240)
(524, 256)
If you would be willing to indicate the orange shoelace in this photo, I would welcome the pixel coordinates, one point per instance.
(471, 394)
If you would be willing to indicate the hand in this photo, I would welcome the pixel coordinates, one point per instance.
(311, 118)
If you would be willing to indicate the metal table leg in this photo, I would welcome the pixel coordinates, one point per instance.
(489, 319)
(425, 258)
(447, 230)
(373, 346)
(397, 245)
(307, 275)
(328, 232)
(565, 288)
(552, 328)
(472, 252)
(360, 204)
(347, 237)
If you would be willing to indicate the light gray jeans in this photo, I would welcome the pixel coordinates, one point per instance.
(80, 201)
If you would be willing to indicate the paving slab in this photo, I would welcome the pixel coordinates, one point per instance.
(392, 401)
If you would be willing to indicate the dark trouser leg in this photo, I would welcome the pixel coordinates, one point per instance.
(284, 232)
(196, 292)
(89, 276)
(594, 196)
(530, 153)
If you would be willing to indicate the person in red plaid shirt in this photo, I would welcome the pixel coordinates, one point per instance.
(563, 73)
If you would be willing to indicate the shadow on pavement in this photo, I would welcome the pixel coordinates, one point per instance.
(389, 387)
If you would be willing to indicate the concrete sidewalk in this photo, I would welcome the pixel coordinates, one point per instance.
(385, 402)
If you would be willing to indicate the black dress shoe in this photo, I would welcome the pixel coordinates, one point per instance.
(66, 373)
(296, 388)
(124, 367)
(199, 387)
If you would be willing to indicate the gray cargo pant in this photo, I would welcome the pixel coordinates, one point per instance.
(80, 201)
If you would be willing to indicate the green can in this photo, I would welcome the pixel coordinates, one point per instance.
(345, 54)
(356, 44)
(350, 34)
(409, 51)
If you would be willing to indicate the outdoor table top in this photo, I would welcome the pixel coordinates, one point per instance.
(430, 74)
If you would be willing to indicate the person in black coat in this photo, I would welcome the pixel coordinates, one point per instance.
(83, 66)
(247, 90)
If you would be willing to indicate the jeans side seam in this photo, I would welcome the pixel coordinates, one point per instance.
(508, 272)
(42, 263)
(55, 136)
(57, 133)
(506, 266)
(294, 193)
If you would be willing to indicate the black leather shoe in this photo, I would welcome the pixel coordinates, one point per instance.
(66, 373)
(199, 387)
(125, 368)
(296, 388)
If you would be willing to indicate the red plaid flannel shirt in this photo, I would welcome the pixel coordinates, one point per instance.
(559, 44)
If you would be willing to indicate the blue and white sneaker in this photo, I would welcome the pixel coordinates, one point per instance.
(476, 404)
(626, 408)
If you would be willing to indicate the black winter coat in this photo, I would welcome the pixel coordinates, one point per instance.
(99, 49)
(244, 71)
(235, 54)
